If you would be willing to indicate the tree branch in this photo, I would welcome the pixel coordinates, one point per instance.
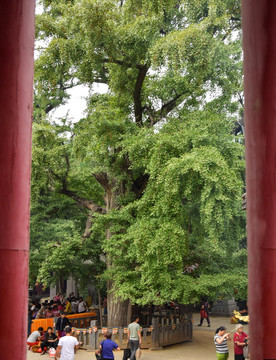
(89, 223)
(241, 100)
(123, 63)
(116, 61)
(156, 116)
(233, 18)
(81, 200)
(89, 204)
(138, 110)
(103, 180)
(150, 115)
(169, 106)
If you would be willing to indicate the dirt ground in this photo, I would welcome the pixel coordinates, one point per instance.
(201, 348)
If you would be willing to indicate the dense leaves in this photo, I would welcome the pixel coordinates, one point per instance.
(152, 174)
(189, 214)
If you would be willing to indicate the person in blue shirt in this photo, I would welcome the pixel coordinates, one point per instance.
(108, 346)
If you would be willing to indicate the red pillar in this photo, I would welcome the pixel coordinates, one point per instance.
(16, 84)
(259, 27)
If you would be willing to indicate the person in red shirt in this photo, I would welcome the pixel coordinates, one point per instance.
(239, 342)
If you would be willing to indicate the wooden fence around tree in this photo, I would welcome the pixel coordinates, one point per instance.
(153, 337)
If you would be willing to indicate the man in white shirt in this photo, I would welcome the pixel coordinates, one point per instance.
(67, 345)
(35, 337)
(81, 306)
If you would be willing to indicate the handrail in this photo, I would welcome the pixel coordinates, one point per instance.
(46, 322)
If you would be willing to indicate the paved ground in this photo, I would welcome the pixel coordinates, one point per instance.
(201, 348)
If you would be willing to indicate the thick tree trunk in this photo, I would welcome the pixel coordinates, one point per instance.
(60, 286)
(117, 311)
(100, 308)
(129, 312)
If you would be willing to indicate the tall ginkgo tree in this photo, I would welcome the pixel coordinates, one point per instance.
(154, 168)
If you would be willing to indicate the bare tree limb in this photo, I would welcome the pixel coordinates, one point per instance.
(156, 116)
(89, 204)
(138, 109)
(169, 106)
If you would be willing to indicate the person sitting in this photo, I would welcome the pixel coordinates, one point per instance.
(55, 311)
(244, 312)
(62, 322)
(74, 306)
(33, 307)
(50, 340)
(60, 306)
(37, 308)
(57, 297)
(35, 337)
(40, 313)
(68, 306)
(49, 312)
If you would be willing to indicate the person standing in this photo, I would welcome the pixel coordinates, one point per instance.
(74, 306)
(134, 336)
(81, 306)
(107, 346)
(67, 345)
(239, 342)
(204, 313)
(62, 322)
(220, 340)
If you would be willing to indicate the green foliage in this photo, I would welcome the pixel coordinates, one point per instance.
(153, 164)
(190, 213)
(57, 221)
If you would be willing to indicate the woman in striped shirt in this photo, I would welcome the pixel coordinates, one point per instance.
(220, 340)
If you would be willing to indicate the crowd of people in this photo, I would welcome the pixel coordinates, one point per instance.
(63, 346)
(59, 304)
(63, 341)
(59, 307)
(48, 339)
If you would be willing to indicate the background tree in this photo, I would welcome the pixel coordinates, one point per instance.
(153, 166)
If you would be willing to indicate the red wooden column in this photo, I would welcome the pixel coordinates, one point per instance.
(259, 27)
(16, 84)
